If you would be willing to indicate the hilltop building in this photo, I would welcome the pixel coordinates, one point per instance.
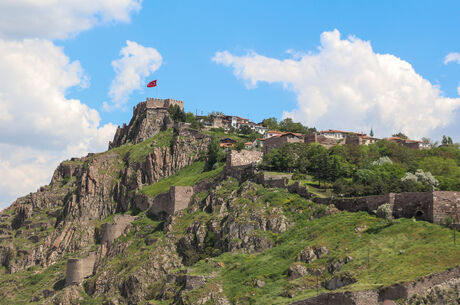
(410, 143)
(282, 139)
(155, 103)
(230, 121)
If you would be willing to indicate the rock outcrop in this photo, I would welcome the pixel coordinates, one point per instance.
(145, 123)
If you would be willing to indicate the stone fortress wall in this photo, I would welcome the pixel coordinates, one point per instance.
(153, 103)
(111, 231)
(433, 206)
(79, 268)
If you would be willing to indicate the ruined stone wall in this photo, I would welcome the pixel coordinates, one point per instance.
(176, 199)
(244, 157)
(78, 269)
(180, 198)
(354, 140)
(430, 206)
(446, 204)
(369, 297)
(270, 180)
(111, 231)
(408, 289)
(399, 291)
(366, 203)
(410, 204)
(241, 164)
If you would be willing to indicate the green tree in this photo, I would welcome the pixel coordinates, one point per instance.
(289, 125)
(271, 123)
(245, 129)
(214, 154)
(240, 145)
(176, 113)
(400, 135)
(444, 140)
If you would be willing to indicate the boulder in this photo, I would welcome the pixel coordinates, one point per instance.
(297, 270)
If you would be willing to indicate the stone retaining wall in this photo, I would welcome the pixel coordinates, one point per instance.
(394, 292)
(408, 289)
(369, 297)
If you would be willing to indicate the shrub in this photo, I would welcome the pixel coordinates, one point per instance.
(384, 211)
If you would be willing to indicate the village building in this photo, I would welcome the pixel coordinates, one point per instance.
(280, 140)
(410, 143)
(272, 133)
(227, 143)
(332, 137)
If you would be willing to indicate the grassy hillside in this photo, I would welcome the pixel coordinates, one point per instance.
(403, 251)
(187, 176)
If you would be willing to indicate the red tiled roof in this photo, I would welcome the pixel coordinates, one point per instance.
(226, 145)
(275, 131)
(340, 131)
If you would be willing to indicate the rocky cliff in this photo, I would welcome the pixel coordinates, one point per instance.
(85, 239)
(61, 216)
(145, 123)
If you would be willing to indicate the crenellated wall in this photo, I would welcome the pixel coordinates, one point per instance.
(153, 103)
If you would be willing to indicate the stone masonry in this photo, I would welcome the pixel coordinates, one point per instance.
(241, 164)
(79, 269)
(401, 291)
(431, 206)
(111, 231)
(177, 198)
(322, 140)
(153, 103)
(278, 141)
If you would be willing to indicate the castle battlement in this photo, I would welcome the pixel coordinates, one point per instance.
(153, 103)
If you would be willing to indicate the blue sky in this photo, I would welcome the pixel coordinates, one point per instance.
(330, 64)
(187, 34)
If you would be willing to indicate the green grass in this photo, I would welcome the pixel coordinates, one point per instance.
(233, 136)
(137, 152)
(187, 176)
(425, 248)
(21, 287)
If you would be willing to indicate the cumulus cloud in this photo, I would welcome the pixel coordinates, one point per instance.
(346, 85)
(39, 126)
(60, 18)
(452, 57)
(136, 63)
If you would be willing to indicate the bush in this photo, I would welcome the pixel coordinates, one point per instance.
(384, 211)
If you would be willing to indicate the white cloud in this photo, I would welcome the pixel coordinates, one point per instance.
(347, 85)
(39, 126)
(60, 18)
(136, 63)
(452, 57)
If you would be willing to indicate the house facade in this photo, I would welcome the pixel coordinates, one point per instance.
(278, 141)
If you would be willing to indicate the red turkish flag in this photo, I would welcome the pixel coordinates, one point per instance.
(152, 84)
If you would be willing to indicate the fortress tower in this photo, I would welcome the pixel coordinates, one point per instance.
(153, 103)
